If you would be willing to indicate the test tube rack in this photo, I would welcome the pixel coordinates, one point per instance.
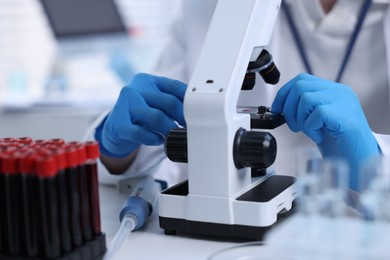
(49, 200)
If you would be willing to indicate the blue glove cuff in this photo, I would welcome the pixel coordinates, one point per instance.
(98, 137)
(356, 165)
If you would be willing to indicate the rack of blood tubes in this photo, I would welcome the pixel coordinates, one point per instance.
(49, 201)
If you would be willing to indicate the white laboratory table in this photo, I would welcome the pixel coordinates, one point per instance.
(150, 242)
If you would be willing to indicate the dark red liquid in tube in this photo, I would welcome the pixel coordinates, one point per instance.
(46, 169)
(86, 225)
(11, 193)
(92, 149)
(30, 216)
(63, 205)
(72, 186)
(2, 207)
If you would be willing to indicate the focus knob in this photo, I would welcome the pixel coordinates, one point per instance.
(175, 145)
(254, 149)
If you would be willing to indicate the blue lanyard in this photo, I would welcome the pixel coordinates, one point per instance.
(298, 41)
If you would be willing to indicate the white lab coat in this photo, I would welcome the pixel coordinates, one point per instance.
(178, 61)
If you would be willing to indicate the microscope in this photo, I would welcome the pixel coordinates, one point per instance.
(220, 197)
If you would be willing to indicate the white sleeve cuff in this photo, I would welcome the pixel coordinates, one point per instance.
(384, 143)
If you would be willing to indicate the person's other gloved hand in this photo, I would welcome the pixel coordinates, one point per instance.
(331, 115)
(145, 112)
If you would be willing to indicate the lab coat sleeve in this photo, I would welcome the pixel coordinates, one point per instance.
(382, 139)
(150, 160)
(384, 144)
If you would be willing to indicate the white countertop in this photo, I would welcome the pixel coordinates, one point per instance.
(150, 242)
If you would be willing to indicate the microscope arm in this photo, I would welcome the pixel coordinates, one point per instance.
(237, 35)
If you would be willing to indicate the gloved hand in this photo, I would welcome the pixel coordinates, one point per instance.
(145, 112)
(330, 114)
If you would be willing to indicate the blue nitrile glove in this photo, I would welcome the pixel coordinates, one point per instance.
(330, 114)
(145, 112)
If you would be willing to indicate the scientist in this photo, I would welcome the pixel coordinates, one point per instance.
(343, 109)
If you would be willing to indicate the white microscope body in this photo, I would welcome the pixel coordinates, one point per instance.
(219, 199)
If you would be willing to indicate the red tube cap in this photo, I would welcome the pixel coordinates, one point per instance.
(60, 158)
(71, 157)
(24, 140)
(92, 150)
(56, 141)
(46, 166)
(9, 164)
(7, 140)
(27, 163)
(82, 154)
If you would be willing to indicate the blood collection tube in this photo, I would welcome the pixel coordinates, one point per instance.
(4, 149)
(92, 149)
(2, 206)
(86, 225)
(11, 192)
(29, 201)
(72, 185)
(63, 206)
(46, 169)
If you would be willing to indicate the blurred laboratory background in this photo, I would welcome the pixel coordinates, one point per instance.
(63, 62)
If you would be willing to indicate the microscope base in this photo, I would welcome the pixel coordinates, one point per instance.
(264, 196)
(236, 232)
